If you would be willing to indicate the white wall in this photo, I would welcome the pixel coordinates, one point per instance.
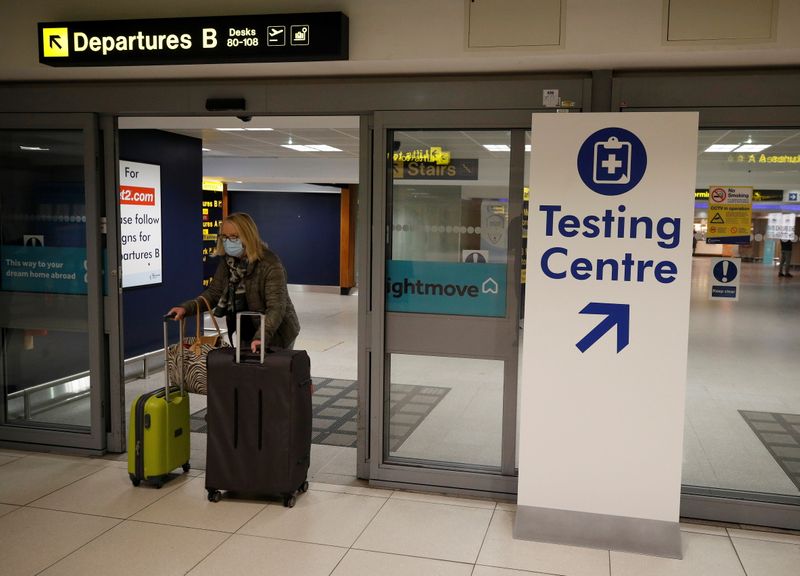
(412, 36)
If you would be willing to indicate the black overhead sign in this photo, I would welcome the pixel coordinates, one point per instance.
(207, 40)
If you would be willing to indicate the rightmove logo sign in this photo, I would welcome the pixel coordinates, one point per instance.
(454, 288)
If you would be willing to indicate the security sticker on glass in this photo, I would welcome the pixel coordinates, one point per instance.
(612, 162)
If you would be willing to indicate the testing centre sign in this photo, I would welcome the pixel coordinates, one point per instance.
(206, 40)
(606, 329)
(140, 223)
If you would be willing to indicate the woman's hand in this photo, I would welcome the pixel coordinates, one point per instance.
(254, 345)
(177, 313)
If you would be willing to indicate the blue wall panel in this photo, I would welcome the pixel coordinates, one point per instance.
(181, 161)
(302, 228)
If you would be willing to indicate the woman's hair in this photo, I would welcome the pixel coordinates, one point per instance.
(248, 233)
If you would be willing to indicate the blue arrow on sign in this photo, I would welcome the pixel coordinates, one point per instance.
(618, 315)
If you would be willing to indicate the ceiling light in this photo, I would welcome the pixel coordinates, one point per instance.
(311, 147)
(721, 148)
(324, 148)
(299, 147)
(206, 149)
(34, 149)
(527, 147)
(245, 129)
(497, 147)
(752, 147)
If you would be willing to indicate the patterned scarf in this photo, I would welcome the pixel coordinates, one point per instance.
(233, 300)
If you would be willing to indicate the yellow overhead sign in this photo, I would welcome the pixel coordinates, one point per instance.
(213, 185)
(434, 154)
(764, 159)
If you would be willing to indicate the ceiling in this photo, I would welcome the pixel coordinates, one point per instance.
(255, 155)
(750, 168)
(261, 137)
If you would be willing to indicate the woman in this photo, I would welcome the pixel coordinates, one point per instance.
(250, 277)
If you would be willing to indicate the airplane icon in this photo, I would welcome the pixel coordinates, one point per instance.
(276, 35)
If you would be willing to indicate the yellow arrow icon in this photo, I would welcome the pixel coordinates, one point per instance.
(55, 42)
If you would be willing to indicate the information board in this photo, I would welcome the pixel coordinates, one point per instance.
(140, 223)
(606, 330)
(213, 193)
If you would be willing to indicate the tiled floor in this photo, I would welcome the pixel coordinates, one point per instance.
(81, 516)
(742, 356)
(94, 522)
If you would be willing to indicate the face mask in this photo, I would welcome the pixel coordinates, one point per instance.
(233, 247)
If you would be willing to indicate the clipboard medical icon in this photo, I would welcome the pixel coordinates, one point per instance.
(612, 162)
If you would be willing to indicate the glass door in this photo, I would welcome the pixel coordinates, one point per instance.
(447, 280)
(52, 354)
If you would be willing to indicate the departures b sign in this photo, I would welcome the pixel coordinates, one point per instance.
(260, 38)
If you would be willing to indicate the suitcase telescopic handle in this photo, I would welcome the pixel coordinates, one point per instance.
(167, 318)
(239, 332)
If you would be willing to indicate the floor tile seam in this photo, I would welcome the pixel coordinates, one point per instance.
(64, 486)
(401, 555)
(368, 524)
(736, 552)
(457, 505)
(390, 491)
(12, 459)
(521, 570)
(93, 515)
(275, 538)
(328, 463)
(210, 552)
(164, 523)
(128, 517)
(770, 540)
(153, 522)
(334, 346)
(436, 558)
(485, 535)
(350, 493)
(256, 513)
(702, 447)
(82, 546)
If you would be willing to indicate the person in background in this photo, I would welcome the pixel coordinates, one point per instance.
(786, 259)
(249, 278)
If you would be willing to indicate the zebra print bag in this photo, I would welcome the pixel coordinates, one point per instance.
(196, 348)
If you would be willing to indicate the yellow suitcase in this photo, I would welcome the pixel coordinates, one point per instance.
(159, 434)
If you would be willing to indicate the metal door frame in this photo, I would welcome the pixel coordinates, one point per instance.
(452, 480)
(95, 440)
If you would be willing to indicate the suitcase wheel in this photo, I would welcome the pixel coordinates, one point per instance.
(303, 487)
(135, 479)
(186, 467)
(289, 501)
(214, 495)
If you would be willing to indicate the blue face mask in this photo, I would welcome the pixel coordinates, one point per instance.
(233, 247)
